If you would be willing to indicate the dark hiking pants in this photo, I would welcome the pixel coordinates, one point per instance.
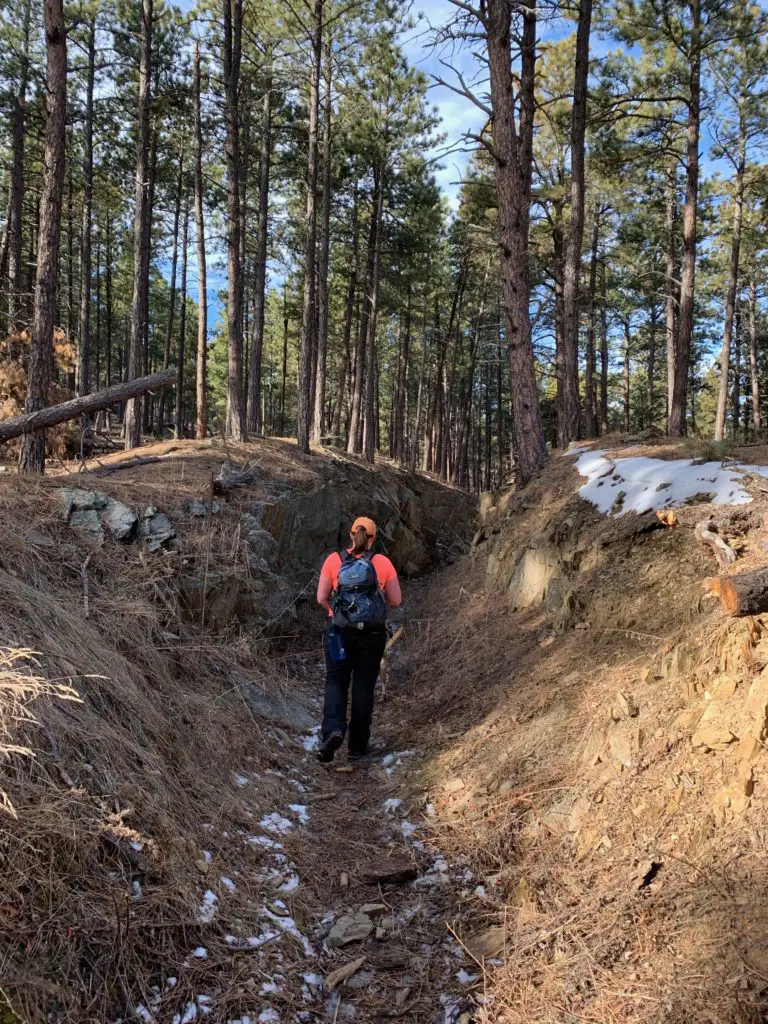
(365, 649)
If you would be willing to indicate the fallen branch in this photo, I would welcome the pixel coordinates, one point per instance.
(53, 414)
(143, 460)
(706, 534)
(84, 574)
(745, 594)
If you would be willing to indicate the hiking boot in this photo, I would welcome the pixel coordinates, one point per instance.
(329, 747)
(364, 757)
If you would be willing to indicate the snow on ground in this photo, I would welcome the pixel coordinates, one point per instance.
(640, 483)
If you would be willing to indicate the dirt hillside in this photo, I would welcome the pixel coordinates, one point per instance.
(597, 729)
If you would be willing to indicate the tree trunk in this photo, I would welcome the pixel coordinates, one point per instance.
(233, 34)
(172, 296)
(626, 381)
(141, 230)
(465, 402)
(179, 423)
(753, 369)
(201, 426)
(285, 358)
(16, 202)
(590, 405)
(32, 454)
(44, 417)
(558, 254)
(349, 314)
(354, 441)
(308, 351)
(603, 350)
(671, 286)
(401, 385)
(736, 397)
(568, 417)
(318, 426)
(108, 300)
(255, 424)
(677, 418)
(513, 152)
(370, 425)
(651, 368)
(82, 383)
(733, 282)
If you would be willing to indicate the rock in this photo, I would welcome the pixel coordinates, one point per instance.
(262, 546)
(625, 744)
(156, 528)
(203, 866)
(36, 539)
(712, 732)
(350, 928)
(77, 499)
(373, 909)
(486, 944)
(283, 709)
(750, 748)
(199, 509)
(688, 719)
(120, 520)
(725, 688)
(342, 974)
(211, 597)
(454, 785)
(627, 705)
(679, 662)
(388, 871)
(506, 787)
(87, 522)
(539, 564)
(757, 702)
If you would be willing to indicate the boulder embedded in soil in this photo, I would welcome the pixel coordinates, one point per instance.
(350, 928)
(487, 944)
(156, 528)
(120, 520)
(713, 732)
(388, 871)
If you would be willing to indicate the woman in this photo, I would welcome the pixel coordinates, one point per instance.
(356, 587)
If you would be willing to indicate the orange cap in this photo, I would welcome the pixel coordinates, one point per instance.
(367, 524)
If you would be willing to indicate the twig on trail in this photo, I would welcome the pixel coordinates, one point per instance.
(338, 1007)
(84, 574)
(633, 632)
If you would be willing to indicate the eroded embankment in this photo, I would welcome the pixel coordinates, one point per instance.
(595, 731)
(153, 847)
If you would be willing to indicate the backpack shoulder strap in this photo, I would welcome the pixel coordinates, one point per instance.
(344, 555)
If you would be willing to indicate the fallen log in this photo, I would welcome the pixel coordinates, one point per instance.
(707, 535)
(53, 414)
(745, 594)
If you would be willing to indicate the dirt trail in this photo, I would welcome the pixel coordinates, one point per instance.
(366, 826)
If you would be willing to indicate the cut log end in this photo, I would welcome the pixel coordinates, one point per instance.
(745, 594)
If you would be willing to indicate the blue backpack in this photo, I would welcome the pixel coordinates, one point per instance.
(357, 600)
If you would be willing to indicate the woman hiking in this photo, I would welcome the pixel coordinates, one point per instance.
(356, 587)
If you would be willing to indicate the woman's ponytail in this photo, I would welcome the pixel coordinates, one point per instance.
(359, 540)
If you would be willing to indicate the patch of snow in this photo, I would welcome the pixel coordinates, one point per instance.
(301, 813)
(245, 1019)
(451, 1007)
(136, 846)
(201, 953)
(313, 980)
(387, 760)
(391, 805)
(290, 884)
(430, 810)
(265, 841)
(269, 1016)
(465, 978)
(480, 890)
(251, 941)
(287, 924)
(269, 988)
(208, 909)
(276, 823)
(189, 1014)
(143, 1013)
(207, 855)
(312, 739)
(228, 884)
(241, 780)
(645, 483)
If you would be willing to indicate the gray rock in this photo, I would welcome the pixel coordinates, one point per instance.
(156, 528)
(350, 928)
(87, 522)
(40, 540)
(262, 546)
(77, 499)
(286, 711)
(199, 509)
(120, 520)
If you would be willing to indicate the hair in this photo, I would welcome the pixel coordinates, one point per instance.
(359, 540)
